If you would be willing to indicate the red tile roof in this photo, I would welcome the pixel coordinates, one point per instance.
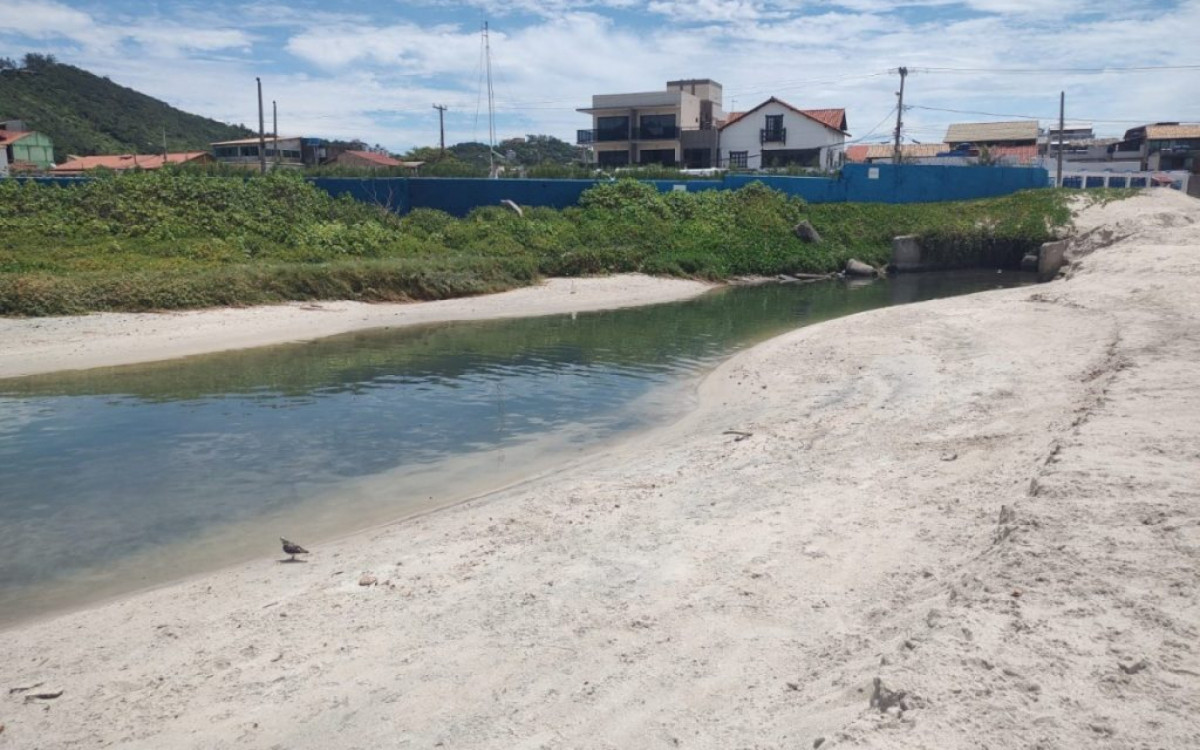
(834, 119)
(10, 136)
(1014, 154)
(127, 161)
(381, 160)
(857, 153)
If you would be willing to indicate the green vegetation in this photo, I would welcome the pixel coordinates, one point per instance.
(85, 114)
(167, 239)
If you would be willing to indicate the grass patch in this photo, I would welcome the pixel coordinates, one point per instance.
(170, 240)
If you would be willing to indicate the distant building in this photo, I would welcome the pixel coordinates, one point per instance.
(776, 134)
(1077, 141)
(943, 154)
(673, 127)
(1021, 133)
(25, 150)
(371, 160)
(1162, 146)
(884, 152)
(287, 153)
(76, 165)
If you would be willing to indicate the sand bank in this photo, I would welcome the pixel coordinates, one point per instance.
(29, 346)
(988, 503)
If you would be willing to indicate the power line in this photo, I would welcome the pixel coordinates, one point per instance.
(1133, 69)
(1036, 117)
(878, 125)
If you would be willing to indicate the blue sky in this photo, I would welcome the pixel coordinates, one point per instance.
(374, 70)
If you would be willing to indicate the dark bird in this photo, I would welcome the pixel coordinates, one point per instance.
(293, 549)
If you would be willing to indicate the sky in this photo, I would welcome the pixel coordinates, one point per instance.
(373, 71)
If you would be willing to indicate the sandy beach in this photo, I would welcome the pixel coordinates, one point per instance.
(968, 523)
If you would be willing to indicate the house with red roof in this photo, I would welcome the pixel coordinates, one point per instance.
(24, 150)
(777, 135)
(77, 165)
(372, 160)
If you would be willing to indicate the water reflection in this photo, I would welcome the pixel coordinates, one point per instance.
(100, 467)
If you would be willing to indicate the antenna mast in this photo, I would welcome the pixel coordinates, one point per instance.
(487, 52)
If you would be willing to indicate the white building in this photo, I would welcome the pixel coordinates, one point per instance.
(281, 152)
(776, 134)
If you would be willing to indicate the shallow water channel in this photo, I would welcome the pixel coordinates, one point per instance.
(119, 478)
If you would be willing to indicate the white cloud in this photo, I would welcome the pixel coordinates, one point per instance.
(345, 77)
(42, 20)
(47, 20)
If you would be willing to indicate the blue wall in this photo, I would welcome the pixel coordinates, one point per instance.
(906, 183)
(391, 193)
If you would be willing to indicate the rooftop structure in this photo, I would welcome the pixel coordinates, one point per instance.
(1020, 133)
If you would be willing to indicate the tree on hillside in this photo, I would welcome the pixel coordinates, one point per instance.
(87, 114)
(533, 150)
(34, 61)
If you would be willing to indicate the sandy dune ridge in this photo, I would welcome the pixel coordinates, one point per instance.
(978, 514)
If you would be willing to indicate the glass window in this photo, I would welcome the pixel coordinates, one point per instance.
(774, 123)
(739, 159)
(612, 128)
(612, 158)
(658, 126)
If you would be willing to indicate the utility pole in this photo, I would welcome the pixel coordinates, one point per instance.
(275, 128)
(262, 138)
(1062, 125)
(899, 116)
(441, 108)
(164, 145)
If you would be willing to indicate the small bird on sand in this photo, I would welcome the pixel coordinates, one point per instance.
(293, 549)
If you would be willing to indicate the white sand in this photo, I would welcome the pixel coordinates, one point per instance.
(29, 346)
(689, 589)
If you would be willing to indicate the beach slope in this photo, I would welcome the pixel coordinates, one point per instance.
(959, 524)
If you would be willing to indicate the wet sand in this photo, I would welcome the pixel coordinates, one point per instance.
(29, 346)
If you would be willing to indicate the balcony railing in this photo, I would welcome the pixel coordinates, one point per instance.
(772, 135)
(583, 137)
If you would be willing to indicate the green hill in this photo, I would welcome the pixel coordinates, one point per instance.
(86, 114)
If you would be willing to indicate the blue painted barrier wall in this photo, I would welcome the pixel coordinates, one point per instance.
(858, 183)
(391, 193)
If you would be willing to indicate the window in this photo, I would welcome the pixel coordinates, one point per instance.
(226, 152)
(797, 157)
(612, 128)
(739, 159)
(663, 156)
(249, 151)
(774, 123)
(612, 158)
(661, 127)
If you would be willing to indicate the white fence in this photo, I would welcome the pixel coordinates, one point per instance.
(1087, 179)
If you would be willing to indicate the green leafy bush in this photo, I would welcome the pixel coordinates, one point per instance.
(175, 239)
